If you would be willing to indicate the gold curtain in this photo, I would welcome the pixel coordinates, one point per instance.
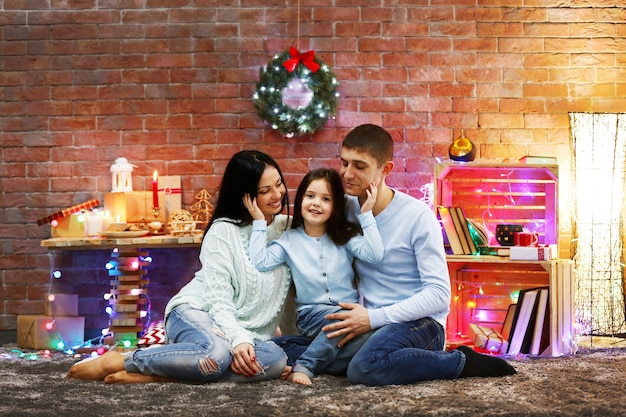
(599, 159)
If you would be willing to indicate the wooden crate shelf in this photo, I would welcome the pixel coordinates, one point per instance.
(484, 286)
(502, 193)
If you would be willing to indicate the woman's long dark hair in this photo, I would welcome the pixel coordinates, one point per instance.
(242, 175)
(338, 228)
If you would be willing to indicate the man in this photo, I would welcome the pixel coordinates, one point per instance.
(406, 295)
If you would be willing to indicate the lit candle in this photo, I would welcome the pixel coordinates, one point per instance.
(155, 192)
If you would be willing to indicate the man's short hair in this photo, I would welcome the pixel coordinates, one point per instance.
(371, 140)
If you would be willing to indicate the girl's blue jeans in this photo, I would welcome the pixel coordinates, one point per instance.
(322, 351)
(197, 351)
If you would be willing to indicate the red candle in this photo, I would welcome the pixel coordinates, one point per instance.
(155, 190)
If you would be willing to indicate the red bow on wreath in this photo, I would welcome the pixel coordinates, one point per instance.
(306, 59)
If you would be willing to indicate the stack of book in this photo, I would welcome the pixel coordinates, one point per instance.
(527, 323)
(460, 233)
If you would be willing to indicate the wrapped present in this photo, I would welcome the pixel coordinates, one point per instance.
(44, 332)
(69, 210)
(170, 193)
(136, 206)
(533, 253)
(132, 207)
(72, 225)
(155, 335)
(69, 222)
(488, 339)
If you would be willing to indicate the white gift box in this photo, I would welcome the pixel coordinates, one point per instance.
(533, 253)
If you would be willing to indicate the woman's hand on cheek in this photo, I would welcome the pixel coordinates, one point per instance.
(253, 208)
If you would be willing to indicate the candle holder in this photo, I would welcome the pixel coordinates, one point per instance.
(155, 225)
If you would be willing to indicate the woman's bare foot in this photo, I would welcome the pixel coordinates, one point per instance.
(125, 377)
(97, 368)
(299, 378)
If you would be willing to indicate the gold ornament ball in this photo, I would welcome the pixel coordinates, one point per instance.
(462, 149)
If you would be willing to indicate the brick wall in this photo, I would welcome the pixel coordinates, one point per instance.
(168, 85)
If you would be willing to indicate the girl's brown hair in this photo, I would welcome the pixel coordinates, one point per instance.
(338, 228)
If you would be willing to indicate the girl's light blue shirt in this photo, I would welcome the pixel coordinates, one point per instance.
(321, 270)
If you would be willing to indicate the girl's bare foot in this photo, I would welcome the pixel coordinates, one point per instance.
(97, 368)
(285, 373)
(124, 377)
(299, 378)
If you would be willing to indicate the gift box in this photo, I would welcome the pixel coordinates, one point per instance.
(69, 226)
(487, 338)
(69, 222)
(533, 253)
(136, 206)
(170, 193)
(61, 305)
(45, 332)
(132, 207)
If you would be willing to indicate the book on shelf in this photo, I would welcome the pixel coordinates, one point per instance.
(495, 250)
(450, 230)
(458, 226)
(530, 325)
(478, 232)
(462, 237)
(521, 319)
(541, 331)
(527, 339)
(508, 321)
(473, 249)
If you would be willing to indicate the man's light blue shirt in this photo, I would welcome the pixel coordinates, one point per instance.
(412, 280)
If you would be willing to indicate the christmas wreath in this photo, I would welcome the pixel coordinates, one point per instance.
(296, 93)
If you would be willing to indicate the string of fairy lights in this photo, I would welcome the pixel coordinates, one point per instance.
(98, 345)
(469, 292)
(478, 299)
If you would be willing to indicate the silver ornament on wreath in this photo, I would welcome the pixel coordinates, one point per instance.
(296, 93)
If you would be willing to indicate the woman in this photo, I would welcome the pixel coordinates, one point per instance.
(219, 325)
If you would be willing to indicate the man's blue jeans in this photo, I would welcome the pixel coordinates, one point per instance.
(197, 351)
(323, 351)
(405, 353)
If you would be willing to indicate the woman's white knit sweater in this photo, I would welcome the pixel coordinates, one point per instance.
(246, 304)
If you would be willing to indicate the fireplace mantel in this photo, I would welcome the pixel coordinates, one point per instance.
(146, 242)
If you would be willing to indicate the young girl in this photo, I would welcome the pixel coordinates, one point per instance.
(219, 325)
(319, 249)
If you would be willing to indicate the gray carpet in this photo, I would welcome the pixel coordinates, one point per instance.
(590, 383)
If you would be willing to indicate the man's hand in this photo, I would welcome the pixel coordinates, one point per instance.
(244, 360)
(351, 323)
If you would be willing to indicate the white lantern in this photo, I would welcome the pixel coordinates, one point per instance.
(121, 176)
